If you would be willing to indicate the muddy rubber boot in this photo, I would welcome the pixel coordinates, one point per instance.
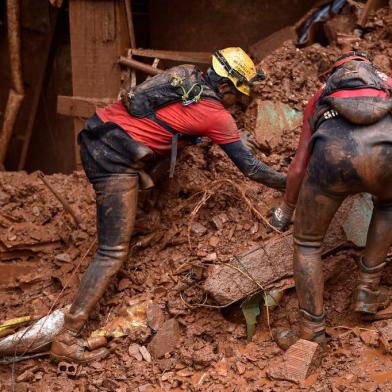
(368, 298)
(116, 198)
(68, 347)
(311, 328)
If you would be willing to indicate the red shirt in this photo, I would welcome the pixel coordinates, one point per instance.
(205, 118)
(300, 162)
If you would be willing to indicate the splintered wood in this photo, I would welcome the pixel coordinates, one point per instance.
(298, 362)
(268, 266)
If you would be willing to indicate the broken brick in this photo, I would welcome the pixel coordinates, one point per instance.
(298, 362)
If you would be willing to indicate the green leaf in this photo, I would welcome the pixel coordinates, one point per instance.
(251, 309)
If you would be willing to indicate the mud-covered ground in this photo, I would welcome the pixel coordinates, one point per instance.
(40, 246)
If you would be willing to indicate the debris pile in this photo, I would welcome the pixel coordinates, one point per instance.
(164, 331)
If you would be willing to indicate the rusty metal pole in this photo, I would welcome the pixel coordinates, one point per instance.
(149, 69)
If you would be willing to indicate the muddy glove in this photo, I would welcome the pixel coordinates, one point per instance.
(281, 216)
(249, 141)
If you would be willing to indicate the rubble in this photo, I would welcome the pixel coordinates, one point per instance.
(155, 316)
(208, 348)
(384, 327)
(166, 339)
(268, 265)
(298, 362)
(272, 119)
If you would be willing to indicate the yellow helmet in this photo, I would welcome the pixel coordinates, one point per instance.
(236, 65)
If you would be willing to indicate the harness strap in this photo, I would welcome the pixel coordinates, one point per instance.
(176, 135)
(173, 155)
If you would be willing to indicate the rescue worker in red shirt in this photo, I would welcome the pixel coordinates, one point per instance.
(120, 143)
(345, 148)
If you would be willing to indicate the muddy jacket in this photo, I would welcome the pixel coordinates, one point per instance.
(183, 83)
(357, 91)
(352, 99)
(207, 117)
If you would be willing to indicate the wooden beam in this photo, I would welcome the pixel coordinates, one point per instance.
(35, 92)
(190, 57)
(149, 69)
(131, 30)
(99, 33)
(82, 107)
(16, 93)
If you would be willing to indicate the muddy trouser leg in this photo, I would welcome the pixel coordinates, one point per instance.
(116, 189)
(116, 198)
(315, 210)
(367, 297)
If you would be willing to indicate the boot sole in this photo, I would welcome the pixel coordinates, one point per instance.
(59, 358)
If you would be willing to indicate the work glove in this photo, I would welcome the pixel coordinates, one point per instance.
(249, 141)
(281, 216)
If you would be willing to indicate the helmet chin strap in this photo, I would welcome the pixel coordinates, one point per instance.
(214, 80)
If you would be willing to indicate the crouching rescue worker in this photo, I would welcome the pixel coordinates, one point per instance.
(121, 142)
(345, 148)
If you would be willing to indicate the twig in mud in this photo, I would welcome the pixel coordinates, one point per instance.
(9, 360)
(352, 328)
(213, 188)
(60, 198)
(249, 276)
(204, 305)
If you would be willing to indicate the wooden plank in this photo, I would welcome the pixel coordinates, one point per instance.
(82, 107)
(131, 30)
(16, 93)
(99, 34)
(36, 93)
(370, 6)
(271, 264)
(147, 68)
(190, 57)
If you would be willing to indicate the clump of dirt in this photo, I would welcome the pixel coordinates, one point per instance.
(170, 253)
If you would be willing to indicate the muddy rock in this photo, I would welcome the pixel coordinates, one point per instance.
(198, 358)
(155, 316)
(384, 327)
(166, 339)
(134, 351)
(145, 354)
(198, 229)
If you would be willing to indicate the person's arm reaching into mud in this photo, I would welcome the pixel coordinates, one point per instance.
(251, 167)
(281, 216)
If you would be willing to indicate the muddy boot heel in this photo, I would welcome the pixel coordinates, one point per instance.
(311, 328)
(368, 298)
